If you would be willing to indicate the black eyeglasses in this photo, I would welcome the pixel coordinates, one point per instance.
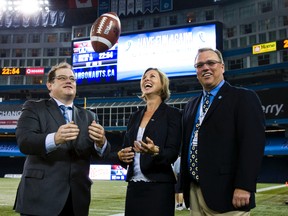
(64, 78)
(209, 63)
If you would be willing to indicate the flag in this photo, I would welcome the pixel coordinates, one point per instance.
(114, 6)
(104, 7)
(122, 7)
(82, 3)
(147, 6)
(139, 6)
(155, 5)
(130, 7)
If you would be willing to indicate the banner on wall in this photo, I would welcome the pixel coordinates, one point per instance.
(9, 115)
(274, 102)
(147, 6)
(35, 71)
(155, 5)
(82, 3)
(114, 6)
(130, 7)
(104, 7)
(122, 7)
(142, 6)
(13, 19)
(139, 6)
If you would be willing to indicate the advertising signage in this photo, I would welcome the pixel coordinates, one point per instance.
(10, 71)
(171, 50)
(270, 46)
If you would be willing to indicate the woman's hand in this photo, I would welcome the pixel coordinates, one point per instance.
(148, 148)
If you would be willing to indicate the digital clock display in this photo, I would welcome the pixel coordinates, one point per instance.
(282, 44)
(12, 71)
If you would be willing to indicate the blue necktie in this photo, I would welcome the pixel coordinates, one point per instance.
(64, 110)
(193, 151)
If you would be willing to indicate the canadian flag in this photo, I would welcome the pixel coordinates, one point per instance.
(82, 3)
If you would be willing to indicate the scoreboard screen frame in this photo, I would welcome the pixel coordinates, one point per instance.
(172, 50)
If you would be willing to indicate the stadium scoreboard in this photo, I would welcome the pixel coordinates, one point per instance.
(171, 50)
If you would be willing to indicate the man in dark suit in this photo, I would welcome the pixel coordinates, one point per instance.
(55, 179)
(223, 144)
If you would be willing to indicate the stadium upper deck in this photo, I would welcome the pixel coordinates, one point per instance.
(246, 26)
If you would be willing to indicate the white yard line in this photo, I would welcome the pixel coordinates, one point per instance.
(271, 188)
(259, 190)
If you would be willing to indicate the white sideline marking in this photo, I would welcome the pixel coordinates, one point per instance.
(271, 188)
(121, 214)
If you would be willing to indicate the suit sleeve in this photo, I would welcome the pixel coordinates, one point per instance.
(169, 153)
(30, 138)
(251, 138)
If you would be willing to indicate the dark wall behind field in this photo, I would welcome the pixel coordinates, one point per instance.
(14, 165)
(274, 168)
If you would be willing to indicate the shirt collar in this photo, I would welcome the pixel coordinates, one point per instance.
(214, 91)
(59, 103)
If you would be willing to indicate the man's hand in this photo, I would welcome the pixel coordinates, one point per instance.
(97, 134)
(126, 155)
(240, 198)
(66, 133)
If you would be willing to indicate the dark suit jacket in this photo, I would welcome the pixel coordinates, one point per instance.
(230, 146)
(164, 128)
(47, 179)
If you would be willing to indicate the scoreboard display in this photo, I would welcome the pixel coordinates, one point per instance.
(8, 71)
(92, 67)
(12, 71)
(282, 44)
(171, 50)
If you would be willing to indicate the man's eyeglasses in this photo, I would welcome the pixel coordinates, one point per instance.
(64, 78)
(210, 63)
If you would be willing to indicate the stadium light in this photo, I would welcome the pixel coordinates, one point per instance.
(25, 6)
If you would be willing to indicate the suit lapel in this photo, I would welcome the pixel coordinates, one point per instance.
(150, 125)
(217, 100)
(138, 121)
(76, 114)
(191, 116)
(157, 114)
(55, 112)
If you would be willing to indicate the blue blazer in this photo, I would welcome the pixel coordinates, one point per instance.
(47, 179)
(230, 146)
(164, 128)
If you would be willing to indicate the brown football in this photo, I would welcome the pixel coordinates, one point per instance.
(105, 32)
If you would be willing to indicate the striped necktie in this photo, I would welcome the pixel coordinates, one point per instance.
(64, 110)
(193, 151)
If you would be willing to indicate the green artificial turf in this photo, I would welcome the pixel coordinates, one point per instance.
(108, 198)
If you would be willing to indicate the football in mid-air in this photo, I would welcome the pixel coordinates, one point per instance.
(105, 32)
